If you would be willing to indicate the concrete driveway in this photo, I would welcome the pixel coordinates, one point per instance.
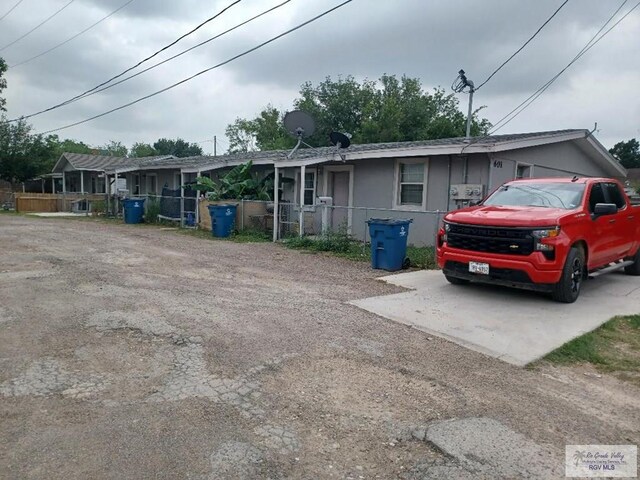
(513, 325)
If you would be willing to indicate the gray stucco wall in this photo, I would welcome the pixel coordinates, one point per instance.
(553, 160)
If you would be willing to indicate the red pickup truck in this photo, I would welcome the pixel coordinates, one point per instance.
(545, 234)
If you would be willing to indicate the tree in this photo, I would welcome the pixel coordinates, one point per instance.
(177, 147)
(23, 156)
(627, 153)
(139, 150)
(114, 149)
(390, 110)
(3, 84)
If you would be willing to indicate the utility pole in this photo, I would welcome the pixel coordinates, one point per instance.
(459, 84)
(215, 145)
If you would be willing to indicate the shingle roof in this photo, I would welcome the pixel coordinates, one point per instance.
(303, 153)
(82, 161)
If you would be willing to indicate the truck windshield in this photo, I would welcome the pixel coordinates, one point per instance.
(549, 195)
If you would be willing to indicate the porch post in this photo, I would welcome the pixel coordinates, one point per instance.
(181, 198)
(301, 218)
(82, 182)
(199, 174)
(64, 183)
(276, 208)
(42, 184)
(53, 185)
(115, 196)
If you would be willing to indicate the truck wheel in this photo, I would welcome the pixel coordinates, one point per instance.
(567, 289)
(635, 268)
(455, 280)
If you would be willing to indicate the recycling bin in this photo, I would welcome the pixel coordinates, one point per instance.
(388, 242)
(223, 218)
(133, 210)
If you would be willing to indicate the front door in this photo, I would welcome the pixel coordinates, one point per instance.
(339, 189)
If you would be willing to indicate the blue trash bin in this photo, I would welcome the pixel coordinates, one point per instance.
(388, 242)
(133, 210)
(223, 219)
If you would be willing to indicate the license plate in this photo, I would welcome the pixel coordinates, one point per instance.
(481, 268)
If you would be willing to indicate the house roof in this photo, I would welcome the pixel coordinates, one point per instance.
(445, 146)
(100, 163)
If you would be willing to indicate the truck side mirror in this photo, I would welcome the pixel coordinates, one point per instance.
(605, 209)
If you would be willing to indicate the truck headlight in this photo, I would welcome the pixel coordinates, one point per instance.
(541, 235)
(546, 233)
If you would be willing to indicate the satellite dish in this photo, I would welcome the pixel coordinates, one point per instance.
(340, 140)
(299, 124)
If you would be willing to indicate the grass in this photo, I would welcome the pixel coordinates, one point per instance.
(613, 347)
(342, 246)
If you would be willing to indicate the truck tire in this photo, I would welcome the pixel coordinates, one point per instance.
(455, 280)
(567, 289)
(635, 268)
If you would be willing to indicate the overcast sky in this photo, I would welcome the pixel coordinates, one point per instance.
(429, 39)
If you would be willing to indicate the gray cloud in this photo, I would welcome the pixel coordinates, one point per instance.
(367, 38)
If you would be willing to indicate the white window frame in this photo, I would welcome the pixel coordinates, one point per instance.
(312, 207)
(397, 189)
(522, 164)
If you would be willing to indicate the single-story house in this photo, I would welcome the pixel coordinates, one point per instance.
(419, 180)
(85, 173)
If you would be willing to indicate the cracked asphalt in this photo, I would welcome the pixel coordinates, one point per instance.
(140, 352)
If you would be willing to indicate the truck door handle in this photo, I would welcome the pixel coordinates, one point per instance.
(630, 217)
(613, 220)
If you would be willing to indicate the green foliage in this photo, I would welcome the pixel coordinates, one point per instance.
(98, 206)
(139, 150)
(114, 149)
(3, 84)
(627, 153)
(152, 210)
(22, 155)
(340, 244)
(389, 110)
(614, 347)
(237, 184)
(177, 147)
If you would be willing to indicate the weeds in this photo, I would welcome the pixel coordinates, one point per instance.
(613, 347)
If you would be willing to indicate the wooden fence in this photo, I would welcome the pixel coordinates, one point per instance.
(47, 202)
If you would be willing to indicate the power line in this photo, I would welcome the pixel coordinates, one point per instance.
(37, 26)
(84, 94)
(524, 45)
(71, 38)
(589, 45)
(80, 97)
(11, 9)
(170, 87)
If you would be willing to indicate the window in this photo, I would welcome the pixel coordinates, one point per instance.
(596, 196)
(411, 183)
(523, 171)
(136, 184)
(309, 187)
(615, 196)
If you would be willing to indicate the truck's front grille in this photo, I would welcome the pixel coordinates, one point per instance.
(510, 241)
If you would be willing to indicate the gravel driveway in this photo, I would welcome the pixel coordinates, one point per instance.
(136, 352)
